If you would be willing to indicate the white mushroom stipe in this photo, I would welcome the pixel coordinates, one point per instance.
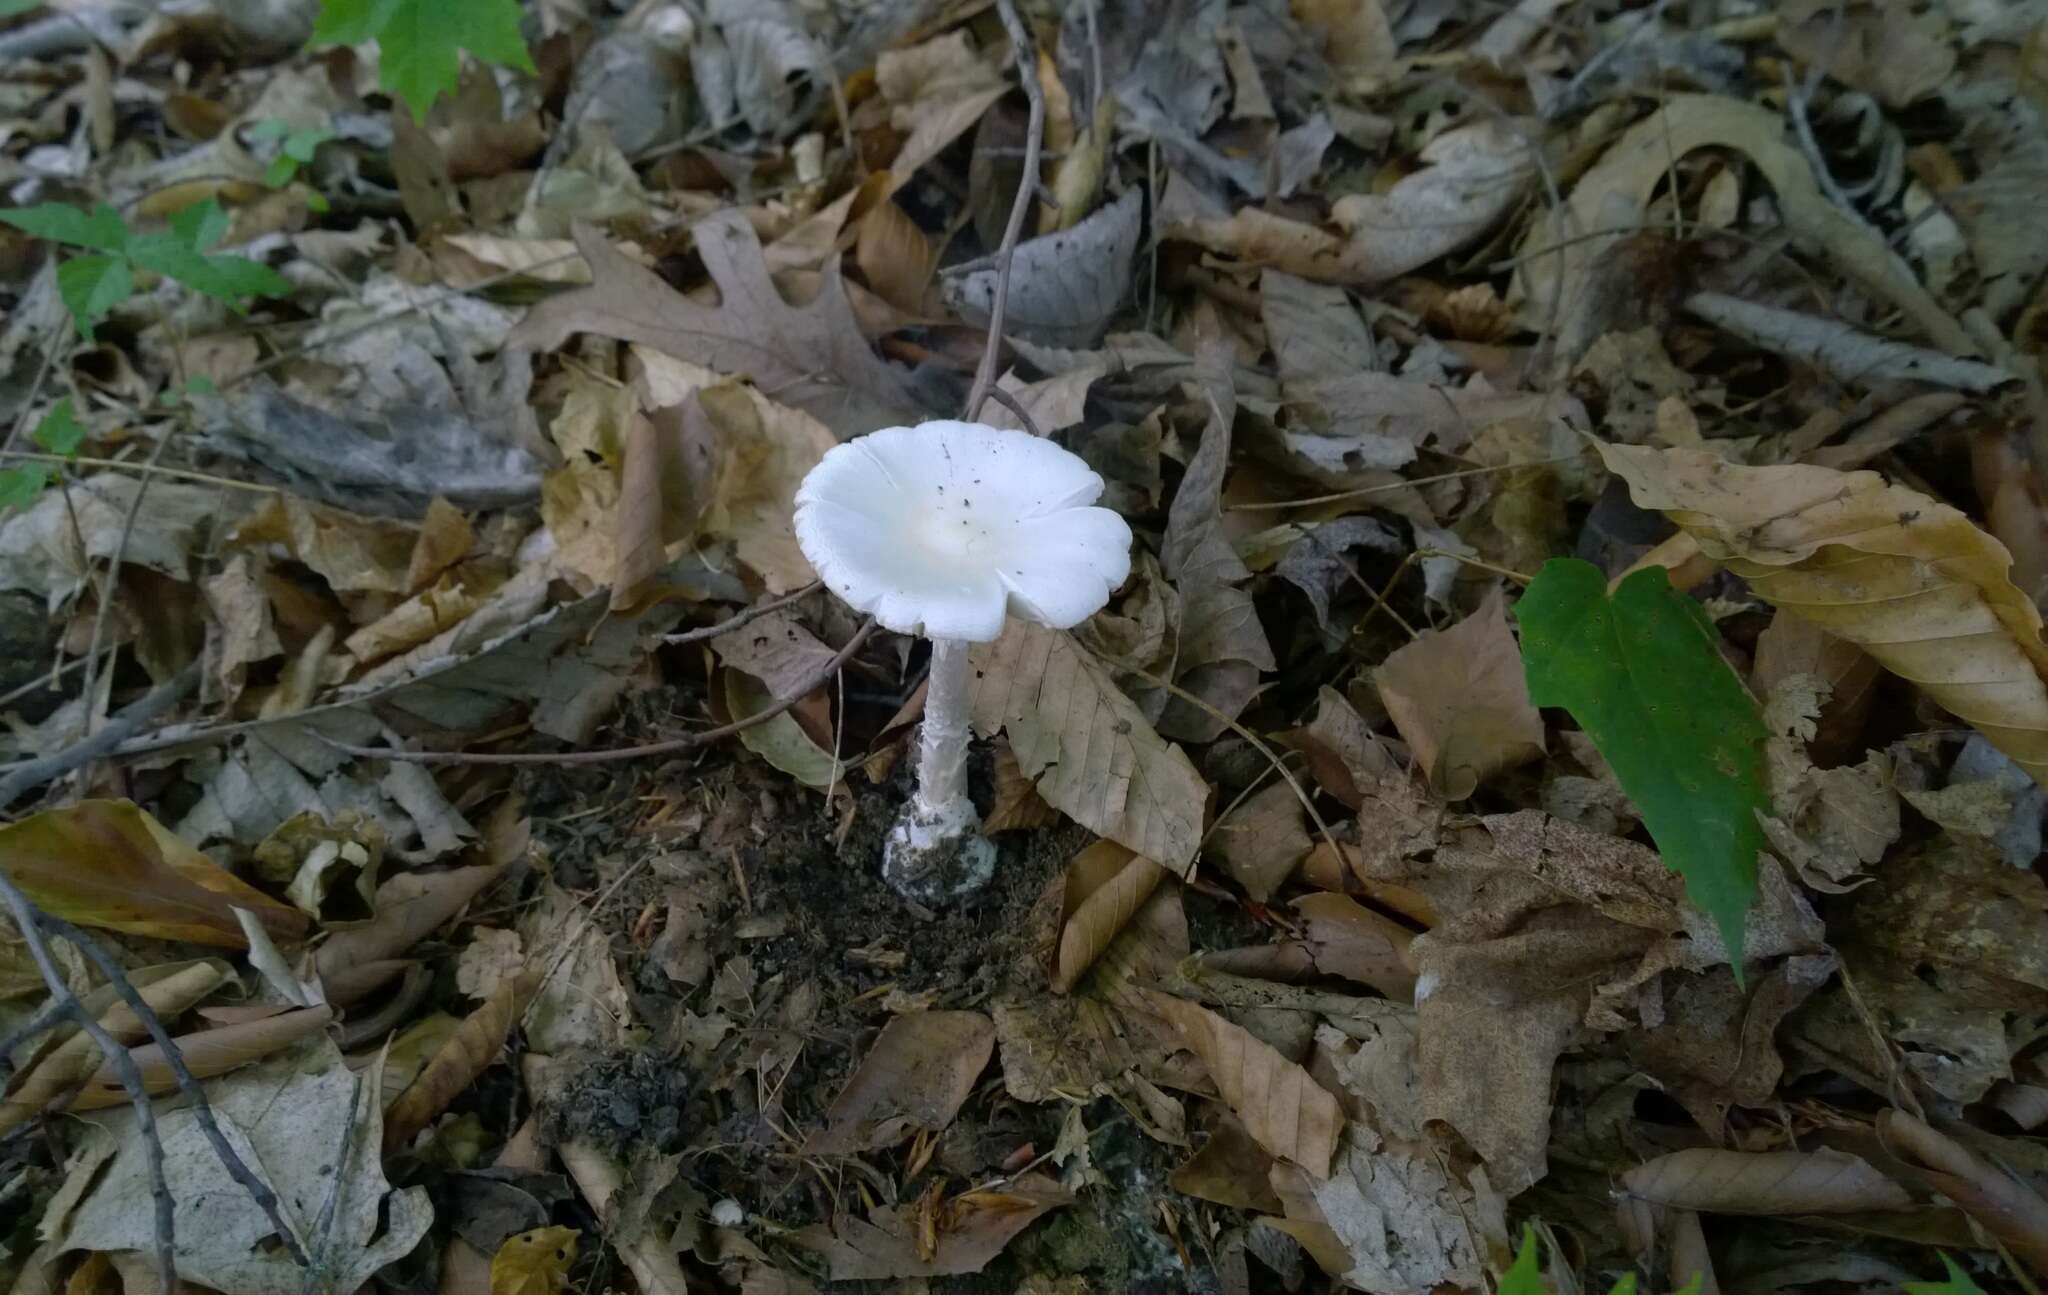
(946, 529)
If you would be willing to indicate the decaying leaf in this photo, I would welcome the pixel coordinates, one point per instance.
(309, 1128)
(1459, 699)
(207, 1053)
(1064, 286)
(109, 863)
(1092, 753)
(916, 1076)
(1291, 1115)
(534, 1263)
(1764, 1182)
(814, 358)
(971, 1230)
(1909, 579)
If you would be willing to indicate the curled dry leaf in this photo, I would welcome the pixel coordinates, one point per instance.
(467, 1054)
(1909, 579)
(920, 1070)
(108, 863)
(409, 906)
(2006, 1206)
(1766, 1182)
(76, 1057)
(895, 256)
(1102, 914)
(1459, 698)
(1289, 1114)
(207, 1053)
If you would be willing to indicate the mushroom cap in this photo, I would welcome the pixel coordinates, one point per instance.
(943, 528)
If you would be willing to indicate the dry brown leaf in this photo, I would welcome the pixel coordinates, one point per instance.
(1054, 403)
(2002, 1203)
(1563, 254)
(75, 1058)
(1230, 1169)
(1909, 579)
(207, 1053)
(1017, 802)
(1263, 840)
(1471, 175)
(108, 863)
(1343, 756)
(409, 907)
(814, 358)
(1288, 1112)
(471, 1050)
(1092, 753)
(916, 1076)
(777, 650)
(972, 1228)
(895, 256)
(1764, 1182)
(1347, 939)
(1460, 699)
(1103, 913)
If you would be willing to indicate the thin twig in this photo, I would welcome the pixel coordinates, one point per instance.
(127, 724)
(202, 1111)
(747, 617)
(688, 741)
(1026, 51)
(113, 579)
(1015, 406)
(127, 465)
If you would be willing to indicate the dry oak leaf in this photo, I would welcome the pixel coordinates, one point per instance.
(1822, 1181)
(1909, 579)
(1290, 1115)
(1460, 699)
(916, 1076)
(1087, 745)
(814, 357)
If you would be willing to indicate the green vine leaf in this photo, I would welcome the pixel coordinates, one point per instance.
(1956, 1283)
(420, 42)
(1643, 675)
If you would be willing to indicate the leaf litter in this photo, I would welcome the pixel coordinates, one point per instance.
(1567, 763)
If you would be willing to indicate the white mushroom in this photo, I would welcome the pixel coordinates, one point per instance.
(943, 530)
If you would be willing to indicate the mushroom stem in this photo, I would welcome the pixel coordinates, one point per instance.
(942, 742)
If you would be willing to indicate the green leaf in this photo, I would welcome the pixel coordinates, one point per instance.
(280, 171)
(1957, 1283)
(91, 286)
(200, 225)
(420, 42)
(268, 130)
(9, 8)
(59, 432)
(1691, 1287)
(231, 280)
(1626, 1286)
(101, 229)
(1643, 675)
(1524, 1278)
(19, 486)
(302, 145)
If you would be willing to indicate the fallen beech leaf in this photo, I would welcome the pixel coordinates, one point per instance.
(1822, 1181)
(1089, 748)
(1017, 802)
(1459, 698)
(1288, 1112)
(108, 863)
(895, 256)
(470, 1051)
(973, 1229)
(533, 1263)
(1102, 915)
(207, 1053)
(916, 1076)
(1909, 579)
(1642, 672)
(814, 357)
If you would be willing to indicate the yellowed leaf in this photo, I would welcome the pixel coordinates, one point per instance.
(1290, 1115)
(467, 1054)
(1103, 913)
(921, 1068)
(1459, 698)
(1909, 579)
(895, 256)
(445, 539)
(108, 863)
(534, 1263)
